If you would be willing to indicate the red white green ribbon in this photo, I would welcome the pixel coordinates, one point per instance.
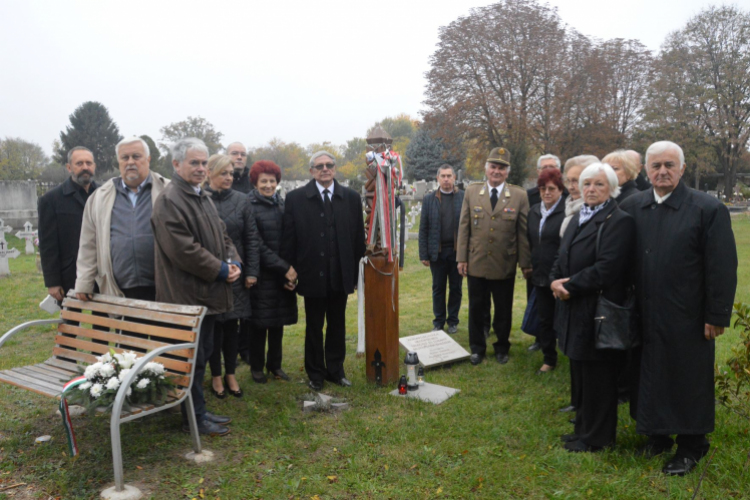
(67, 424)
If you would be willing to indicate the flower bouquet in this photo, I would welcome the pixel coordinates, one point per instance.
(99, 384)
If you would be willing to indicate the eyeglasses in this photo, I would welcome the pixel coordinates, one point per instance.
(321, 166)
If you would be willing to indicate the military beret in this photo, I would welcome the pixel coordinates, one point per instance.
(499, 155)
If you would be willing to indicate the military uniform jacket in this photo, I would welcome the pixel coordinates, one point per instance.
(686, 276)
(491, 241)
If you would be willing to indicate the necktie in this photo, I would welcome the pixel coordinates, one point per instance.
(327, 203)
(493, 198)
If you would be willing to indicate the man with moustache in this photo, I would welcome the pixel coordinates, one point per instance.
(238, 153)
(60, 215)
(117, 242)
(195, 261)
(324, 240)
(492, 240)
(686, 278)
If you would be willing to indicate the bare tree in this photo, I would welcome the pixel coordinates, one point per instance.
(703, 82)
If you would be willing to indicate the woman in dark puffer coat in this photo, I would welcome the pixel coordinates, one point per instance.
(237, 213)
(273, 305)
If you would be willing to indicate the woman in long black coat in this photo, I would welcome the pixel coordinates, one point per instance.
(273, 305)
(236, 212)
(544, 223)
(580, 273)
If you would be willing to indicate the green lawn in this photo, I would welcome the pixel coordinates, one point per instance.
(498, 438)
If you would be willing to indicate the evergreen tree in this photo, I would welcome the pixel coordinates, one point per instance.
(423, 156)
(91, 127)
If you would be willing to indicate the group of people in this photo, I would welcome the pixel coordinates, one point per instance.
(217, 235)
(611, 234)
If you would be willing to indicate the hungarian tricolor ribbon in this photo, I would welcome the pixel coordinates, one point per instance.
(67, 424)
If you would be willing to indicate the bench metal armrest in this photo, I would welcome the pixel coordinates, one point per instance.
(135, 370)
(26, 325)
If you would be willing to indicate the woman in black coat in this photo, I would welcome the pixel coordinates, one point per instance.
(236, 212)
(580, 273)
(544, 223)
(273, 305)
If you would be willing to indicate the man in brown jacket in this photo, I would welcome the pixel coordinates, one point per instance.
(195, 261)
(492, 240)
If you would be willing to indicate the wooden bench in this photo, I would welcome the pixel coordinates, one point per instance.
(165, 333)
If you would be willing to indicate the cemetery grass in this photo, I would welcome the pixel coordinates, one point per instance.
(498, 438)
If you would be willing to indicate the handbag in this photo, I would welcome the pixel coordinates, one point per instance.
(530, 323)
(615, 326)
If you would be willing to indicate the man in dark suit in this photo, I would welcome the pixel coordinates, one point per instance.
(324, 240)
(543, 162)
(60, 218)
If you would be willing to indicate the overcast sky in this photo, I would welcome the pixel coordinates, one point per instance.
(304, 71)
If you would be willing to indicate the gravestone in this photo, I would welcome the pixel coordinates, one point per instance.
(28, 235)
(431, 393)
(5, 252)
(18, 202)
(434, 348)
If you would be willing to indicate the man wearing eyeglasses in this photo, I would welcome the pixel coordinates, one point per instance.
(324, 239)
(238, 153)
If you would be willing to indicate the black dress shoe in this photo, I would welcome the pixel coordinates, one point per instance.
(476, 359)
(343, 382)
(279, 374)
(534, 347)
(217, 419)
(567, 409)
(208, 428)
(579, 446)
(502, 357)
(258, 377)
(237, 393)
(315, 385)
(568, 438)
(452, 329)
(679, 466)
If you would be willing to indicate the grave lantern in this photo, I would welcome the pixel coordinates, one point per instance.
(412, 362)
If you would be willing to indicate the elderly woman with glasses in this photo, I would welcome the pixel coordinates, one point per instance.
(582, 271)
(237, 214)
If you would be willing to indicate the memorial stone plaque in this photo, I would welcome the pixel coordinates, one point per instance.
(434, 348)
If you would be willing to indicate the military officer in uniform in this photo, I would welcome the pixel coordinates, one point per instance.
(491, 241)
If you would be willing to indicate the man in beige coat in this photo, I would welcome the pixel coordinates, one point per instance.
(116, 248)
(492, 240)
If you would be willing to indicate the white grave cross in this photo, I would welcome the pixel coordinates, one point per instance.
(5, 254)
(28, 235)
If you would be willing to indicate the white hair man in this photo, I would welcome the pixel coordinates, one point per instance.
(117, 242)
(686, 278)
(196, 261)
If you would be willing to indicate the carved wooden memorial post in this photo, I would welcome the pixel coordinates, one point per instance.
(381, 270)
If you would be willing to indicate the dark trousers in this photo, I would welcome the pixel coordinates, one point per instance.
(205, 349)
(325, 361)
(693, 446)
(258, 356)
(545, 307)
(575, 384)
(243, 345)
(226, 339)
(596, 418)
(480, 291)
(445, 272)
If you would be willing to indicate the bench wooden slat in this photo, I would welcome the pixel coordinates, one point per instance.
(91, 359)
(52, 370)
(172, 364)
(163, 317)
(38, 374)
(61, 364)
(123, 340)
(144, 304)
(26, 379)
(9, 378)
(129, 326)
